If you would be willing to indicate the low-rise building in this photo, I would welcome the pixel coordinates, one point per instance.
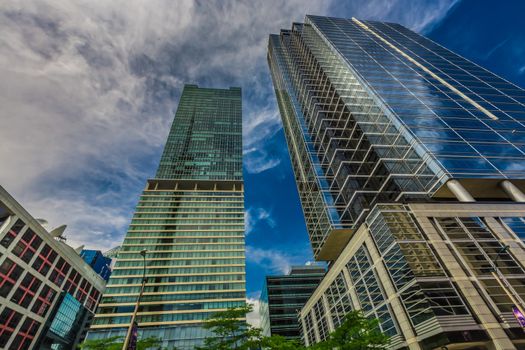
(48, 293)
(283, 296)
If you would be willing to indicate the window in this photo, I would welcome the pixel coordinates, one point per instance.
(12, 233)
(27, 246)
(9, 274)
(44, 260)
(9, 319)
(83, 290)
(58, 275)
(43, 301)
(72, 282)
(26, 334)
(26, 291)
(92, 299)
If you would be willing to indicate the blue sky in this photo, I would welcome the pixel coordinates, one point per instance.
(89, 89)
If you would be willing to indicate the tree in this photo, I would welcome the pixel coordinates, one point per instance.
(356, 333)
(113, 343)
(231, 331)
(116, 343)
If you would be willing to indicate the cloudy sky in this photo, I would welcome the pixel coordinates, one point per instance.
(88, 90)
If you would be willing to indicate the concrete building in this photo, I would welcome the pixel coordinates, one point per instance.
(283, 296)
(190, 220)
(410, 165)
(48, 294)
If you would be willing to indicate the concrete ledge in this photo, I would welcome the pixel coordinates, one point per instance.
(335, 243)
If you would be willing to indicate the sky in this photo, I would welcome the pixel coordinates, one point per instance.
(89, 90)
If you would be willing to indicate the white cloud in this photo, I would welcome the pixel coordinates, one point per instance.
(85, 215)
(254, 318)
(274, 261)
(254, 216)
(417, 15)
(260, 126)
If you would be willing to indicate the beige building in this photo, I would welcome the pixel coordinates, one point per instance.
(433, 274)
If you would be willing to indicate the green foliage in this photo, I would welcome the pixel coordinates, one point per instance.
(113, 343)
(231, 331)
(116, 343)
(355, 333)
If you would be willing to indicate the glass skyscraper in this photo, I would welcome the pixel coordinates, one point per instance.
(190, 219)
(410, 165)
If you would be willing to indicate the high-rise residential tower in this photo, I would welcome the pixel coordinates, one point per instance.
(190, 219)
(410, 165)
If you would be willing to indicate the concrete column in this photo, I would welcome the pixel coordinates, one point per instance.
(459, 191)
(512, 191)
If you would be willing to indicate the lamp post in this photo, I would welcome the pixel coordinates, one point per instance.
(133, 326)
(501, 251)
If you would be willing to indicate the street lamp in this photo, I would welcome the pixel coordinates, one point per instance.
(501, 251)
(129, 343)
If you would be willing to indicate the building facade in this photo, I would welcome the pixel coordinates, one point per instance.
(410, 165)
(40, 277)
(283, 296)
(190, 219)
(98, 262)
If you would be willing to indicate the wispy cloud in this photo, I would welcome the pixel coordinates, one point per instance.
(274, 261)
(259, 128)
(417, 15)
(255, 216)
(496, 47)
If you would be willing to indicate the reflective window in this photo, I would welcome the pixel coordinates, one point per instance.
(12, 233)
(9, 320)
(9, 273)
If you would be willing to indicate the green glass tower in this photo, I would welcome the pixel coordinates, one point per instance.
(190, 219)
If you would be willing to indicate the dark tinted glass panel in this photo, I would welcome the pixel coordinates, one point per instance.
(12, 233)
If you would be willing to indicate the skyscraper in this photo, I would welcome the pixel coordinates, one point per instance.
(283, 296)
(410, 165)
(190, 219)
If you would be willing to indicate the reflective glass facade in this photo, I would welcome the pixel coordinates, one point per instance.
(98, 262)
(205, 141)
(65, 323)
(190, 219)
(283, 296)
(409, 162)
(375, 113)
